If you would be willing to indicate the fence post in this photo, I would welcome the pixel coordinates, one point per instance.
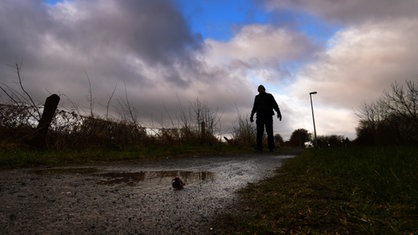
(39, 136)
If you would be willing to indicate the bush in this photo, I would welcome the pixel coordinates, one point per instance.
(244, 133)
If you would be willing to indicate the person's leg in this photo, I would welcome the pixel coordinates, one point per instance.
(260, 133)
(269, 130)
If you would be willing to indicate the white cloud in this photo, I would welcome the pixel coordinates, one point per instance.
(352, 11)
(360, 64)
(260, 44)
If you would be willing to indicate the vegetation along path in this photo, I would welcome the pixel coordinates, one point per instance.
(353, 190)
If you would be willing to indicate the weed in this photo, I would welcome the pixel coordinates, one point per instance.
(333, 191)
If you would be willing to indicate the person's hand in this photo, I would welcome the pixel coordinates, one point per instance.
(279, 116)
(251, 119)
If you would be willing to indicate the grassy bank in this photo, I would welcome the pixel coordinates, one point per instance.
(31, 158)
(333, 191)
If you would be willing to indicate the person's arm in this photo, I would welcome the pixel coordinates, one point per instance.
(276, 108)
(254, 110)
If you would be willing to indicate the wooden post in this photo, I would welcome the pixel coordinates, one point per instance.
(39, 137)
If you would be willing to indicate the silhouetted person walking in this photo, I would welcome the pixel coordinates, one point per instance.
(264, 104)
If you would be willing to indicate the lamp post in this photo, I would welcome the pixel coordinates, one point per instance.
(313, 116)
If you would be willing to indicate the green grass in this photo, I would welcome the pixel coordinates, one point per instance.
(30, 158)
(333, 191)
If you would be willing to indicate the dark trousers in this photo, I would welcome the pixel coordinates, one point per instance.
(266, 122)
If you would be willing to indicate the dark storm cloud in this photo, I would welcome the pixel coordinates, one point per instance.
(97, 35)
(21, 23)
(153, 30)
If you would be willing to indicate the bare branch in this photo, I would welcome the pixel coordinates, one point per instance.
(90, 95)
(9, 95)
(32, 103)
(108, 101)
(131, 110)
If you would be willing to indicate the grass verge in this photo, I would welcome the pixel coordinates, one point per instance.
(29, 158)
(332, 191)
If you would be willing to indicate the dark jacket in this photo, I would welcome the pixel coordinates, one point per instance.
(264, 104)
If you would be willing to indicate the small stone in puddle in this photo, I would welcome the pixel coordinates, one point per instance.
(177, 183)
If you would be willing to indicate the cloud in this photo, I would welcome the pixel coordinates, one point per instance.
(153, 30)
(360, 64)
(21, 23)
(350, 12)
(148, 53)
(263, 43)
(261, 53)
(102, 38)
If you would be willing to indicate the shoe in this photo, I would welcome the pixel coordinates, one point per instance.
(258, 149)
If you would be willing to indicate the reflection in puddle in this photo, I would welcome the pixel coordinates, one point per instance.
(132, 178)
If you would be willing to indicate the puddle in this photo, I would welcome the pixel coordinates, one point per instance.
(131, 178)
(157, 177)
(127, 198)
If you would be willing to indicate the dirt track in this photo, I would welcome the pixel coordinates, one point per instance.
(126, 197)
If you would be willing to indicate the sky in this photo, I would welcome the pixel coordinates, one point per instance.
(164, 55)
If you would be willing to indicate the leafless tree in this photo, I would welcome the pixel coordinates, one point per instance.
(403, 101)
(20, 108)
(393, 119)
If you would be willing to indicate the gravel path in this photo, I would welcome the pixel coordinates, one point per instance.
(126, 197)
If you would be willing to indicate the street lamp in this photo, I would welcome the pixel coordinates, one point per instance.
(313, 116)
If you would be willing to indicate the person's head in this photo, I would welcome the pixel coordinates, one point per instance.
(261, 89)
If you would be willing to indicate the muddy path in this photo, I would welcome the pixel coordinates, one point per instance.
(127, 197)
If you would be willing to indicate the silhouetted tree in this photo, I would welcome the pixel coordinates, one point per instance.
(392, 120)
(299, 137)
(331, 141)
(278, 140)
